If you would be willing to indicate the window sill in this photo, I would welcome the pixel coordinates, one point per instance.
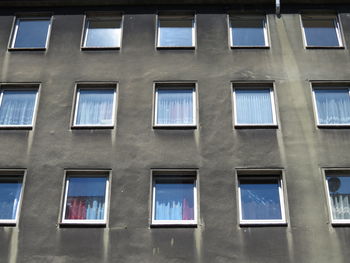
(173, 225)
(339, 223)
(250, 47)
(333, 126)
(99, 48)
(175, 127)
(258, 224)
(190, 47)
(324, 47)
(14, 127)
(27, 49)
(82, 225)
(256, 126)
(91, 127)
(9, 223)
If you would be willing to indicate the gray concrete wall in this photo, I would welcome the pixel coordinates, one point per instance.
(215, 148)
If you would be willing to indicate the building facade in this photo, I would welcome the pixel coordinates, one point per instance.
(201, 131)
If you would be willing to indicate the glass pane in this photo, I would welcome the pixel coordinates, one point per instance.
(95, 107)
(103, 34)
(254, 107)
(321, 33)
(339, 191)
(174, 201)
(333, 106)
(248, 32)
(31, 33)
(17, 107)
(86, 198)
(175, 107)
(175, 33)
(260, 200)
(10, 191)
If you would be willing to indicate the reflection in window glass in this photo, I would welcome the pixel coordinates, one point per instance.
(10, 193)
(333, 106)
(321, 32)
(174, 201)
(31, 33)
(254, 106)
(248, 32)
(339, 193)
(260, 199)
(95, 107)
(17, 107)
(175, 33)
(175, 107)
(100, 33)
(86, 197)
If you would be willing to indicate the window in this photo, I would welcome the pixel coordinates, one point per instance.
(332, 105)
(102, 32)
(10, 197)
(174, 199)
(261, 199)
(321, 31)
(31, 33)
(248, 31)
(175, 105)
(17, 106)
(85, 198)
(176, 32)
(95, 106)
(254, 105)
(338, 192)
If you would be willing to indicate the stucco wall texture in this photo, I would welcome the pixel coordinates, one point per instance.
(215, 147)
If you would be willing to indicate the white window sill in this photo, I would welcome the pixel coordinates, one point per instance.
(178, 126)
(27, 49)
(263, 223)
(256, 126)
(99, 48)
(325, 47)
(250, 47)
(92, 127)
(16, 127)
(334, 126)
(174, 223)
(176, 47)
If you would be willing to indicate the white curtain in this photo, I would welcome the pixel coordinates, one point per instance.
(17, 107)
(254, 107)
(175, 107)
(95, 107)
(340, 206)
(333, 106)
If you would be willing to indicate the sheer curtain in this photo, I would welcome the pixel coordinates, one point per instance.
(17, 107)
(86, 198)
(175, 107)
(333, 106)
(254, 106)
(95, 107)
(340, 206)
(9, 198)
(174, 202)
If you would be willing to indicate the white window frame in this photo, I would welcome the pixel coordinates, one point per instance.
(34, 18)
(316, 86)
(166, 177)
(20, 178)
(177, 18)
(34, 109)
(281, 221)
(249, 18)
(171, 86)
(259, 86)
(337, 27)
(85, 221)
(88, 19)
(92, 87)
(329, 202)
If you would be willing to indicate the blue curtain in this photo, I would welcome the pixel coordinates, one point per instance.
(333, 106)
(9, 199)
(254, 106)
(95, 107)
(17, 107)
(175, 107)
(174, 201)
